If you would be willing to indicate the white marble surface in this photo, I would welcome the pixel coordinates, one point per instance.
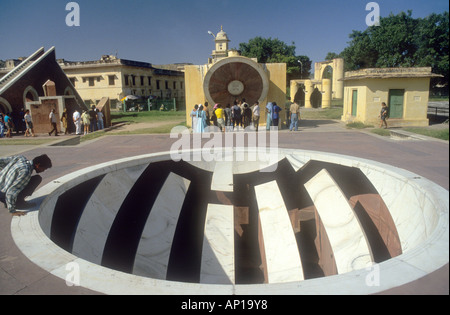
(153, 253)
(296, 161)
(411, 208)
(222, 179)
(282, 254)
(100, 212)
(243, 160)
(217, 265)
(350, 248)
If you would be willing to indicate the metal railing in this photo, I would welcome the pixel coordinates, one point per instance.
(155, 104)
(438, 111)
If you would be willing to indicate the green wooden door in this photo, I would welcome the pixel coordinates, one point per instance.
(354, 102)
(396, 98)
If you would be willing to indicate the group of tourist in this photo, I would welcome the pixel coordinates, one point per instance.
(5, 131)
(88, 121)
(241, 114)
(24, 122)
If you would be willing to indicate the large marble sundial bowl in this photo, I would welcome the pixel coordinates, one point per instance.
(302, 223)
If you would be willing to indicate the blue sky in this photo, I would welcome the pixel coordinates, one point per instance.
(172, 31)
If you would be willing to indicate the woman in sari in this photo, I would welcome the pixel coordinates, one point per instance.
(269, 109)
(201, 120)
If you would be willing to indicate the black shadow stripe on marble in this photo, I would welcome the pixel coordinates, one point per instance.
(186, 251)
(125, 233)
(68, 211)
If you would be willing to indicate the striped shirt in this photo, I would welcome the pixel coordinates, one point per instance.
(15, 174)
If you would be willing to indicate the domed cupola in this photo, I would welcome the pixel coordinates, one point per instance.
(221, 40)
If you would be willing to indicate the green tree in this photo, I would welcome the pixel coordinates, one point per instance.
(268, 50)
(401, 41)
(432, 37)
(331, 56)
(305, 67)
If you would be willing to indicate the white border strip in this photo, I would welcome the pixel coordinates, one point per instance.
(25, 70)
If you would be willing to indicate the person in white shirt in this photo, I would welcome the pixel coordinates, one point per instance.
(255, 117)
(29, 124)
(53, 122)
(77, 121)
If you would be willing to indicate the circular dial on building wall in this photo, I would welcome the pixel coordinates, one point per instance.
(235, 78)
(235, 87)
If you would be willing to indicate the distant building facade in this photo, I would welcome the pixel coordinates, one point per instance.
(117, 78)
(404, 90)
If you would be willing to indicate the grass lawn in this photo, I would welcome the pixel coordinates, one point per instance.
(435, 133)
(381, 132)
(438, 99)
(30, 141)
(334, 112)
(171, 117)
(146, 117)
(166, 128)
(439, 133)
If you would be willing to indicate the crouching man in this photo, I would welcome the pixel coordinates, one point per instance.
(17, 182)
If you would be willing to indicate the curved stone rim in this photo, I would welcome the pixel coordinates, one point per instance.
(256, 66)
(428, 256)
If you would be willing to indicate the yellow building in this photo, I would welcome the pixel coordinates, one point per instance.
(117, 78)
(404, 90)
(229, 76)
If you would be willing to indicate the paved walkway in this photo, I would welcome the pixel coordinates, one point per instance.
(428, 158)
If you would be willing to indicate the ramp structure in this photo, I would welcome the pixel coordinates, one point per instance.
(39, 84)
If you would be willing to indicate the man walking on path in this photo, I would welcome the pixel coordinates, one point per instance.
(53, 122)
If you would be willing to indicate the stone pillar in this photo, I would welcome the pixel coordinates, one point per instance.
(309, 89)
(105, 107)
(294, 89)
(49, 88)
(317, 71)
(338, 75)
(326, 93)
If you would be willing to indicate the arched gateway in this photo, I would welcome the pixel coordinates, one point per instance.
(302, 91)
